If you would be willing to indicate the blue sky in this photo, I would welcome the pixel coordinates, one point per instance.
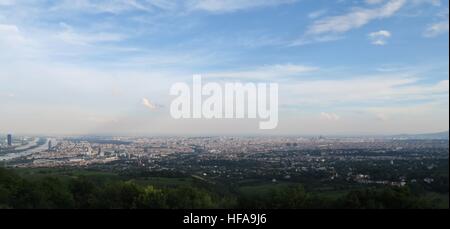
(344, 67)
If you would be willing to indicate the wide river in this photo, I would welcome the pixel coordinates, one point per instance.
(41, 148)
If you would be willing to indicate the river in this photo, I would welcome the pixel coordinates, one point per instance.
(38, 149)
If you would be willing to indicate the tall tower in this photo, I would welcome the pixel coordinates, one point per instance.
(50, 145)
(9, 139)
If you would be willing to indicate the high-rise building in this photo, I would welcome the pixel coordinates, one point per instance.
(100, 152)
(50, 145)
(9, 139)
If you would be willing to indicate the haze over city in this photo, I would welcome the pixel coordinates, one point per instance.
(344, 67)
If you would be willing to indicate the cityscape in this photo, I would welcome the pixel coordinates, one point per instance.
(324, 164)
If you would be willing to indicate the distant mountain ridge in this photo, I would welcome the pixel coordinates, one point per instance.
(440, 135)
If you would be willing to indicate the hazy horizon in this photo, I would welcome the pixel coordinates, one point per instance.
(342, 135)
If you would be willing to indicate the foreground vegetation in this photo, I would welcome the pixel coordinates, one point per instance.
(43, 189)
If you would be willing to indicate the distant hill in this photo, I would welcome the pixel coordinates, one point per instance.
(441, 135)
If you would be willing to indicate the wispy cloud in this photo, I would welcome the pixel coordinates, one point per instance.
(150, 105)
(374, 2)
(10, 35)
(280, 72)
(355, 19)
(106, 6)
(331, 28)
(121, 6)
(440, 27)
(72, 37)
(329, 116)
(380, 37)
(387, 88)
(317, 14)
(233, 5)
(6, 2)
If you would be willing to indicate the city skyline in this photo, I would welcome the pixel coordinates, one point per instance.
(105, 67)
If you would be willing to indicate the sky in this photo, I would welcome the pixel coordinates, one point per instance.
(344, 67)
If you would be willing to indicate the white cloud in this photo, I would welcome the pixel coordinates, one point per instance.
(331, 28)
(438, 28)
(432, 2)
(7, 95)
(10, 35)
(355, 19)
(102, 6)
(233, 5)
(329, 116)
(316, 39)
(317, 14)
(374, 2)
(7, 2)
(389, 88)
(381, 116)
(72, 37)
(86, 39)
(14, 44)
(380, 37)
(150, 105)
(120, 6)
(389, 113)
(270, 72)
